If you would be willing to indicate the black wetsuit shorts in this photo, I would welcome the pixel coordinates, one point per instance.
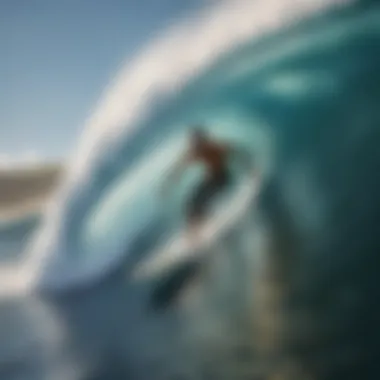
(205, 193)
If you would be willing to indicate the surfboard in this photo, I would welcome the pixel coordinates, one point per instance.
(179, 249)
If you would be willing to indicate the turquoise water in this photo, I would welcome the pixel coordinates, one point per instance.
(304, 103)
(276, 98)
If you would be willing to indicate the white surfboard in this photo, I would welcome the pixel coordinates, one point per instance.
(179, 249)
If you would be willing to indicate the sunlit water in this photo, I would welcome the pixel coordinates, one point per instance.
(288, 292)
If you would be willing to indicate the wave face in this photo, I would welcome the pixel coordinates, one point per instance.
(291, 96)
(290, 290)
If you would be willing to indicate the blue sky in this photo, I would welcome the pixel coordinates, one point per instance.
(56, 58)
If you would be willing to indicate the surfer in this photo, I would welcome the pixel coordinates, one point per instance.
(215, 157)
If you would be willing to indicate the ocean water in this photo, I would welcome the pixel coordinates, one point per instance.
(289, 290)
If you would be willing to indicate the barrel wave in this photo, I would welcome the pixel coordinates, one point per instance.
(288, 288)
(277, 95)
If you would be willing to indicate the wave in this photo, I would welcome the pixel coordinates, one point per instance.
(239, 68)
(24, 221)
(14, 235)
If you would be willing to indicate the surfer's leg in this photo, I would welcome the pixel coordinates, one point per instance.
(194, 225)
(197, 209)
(198, 205)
